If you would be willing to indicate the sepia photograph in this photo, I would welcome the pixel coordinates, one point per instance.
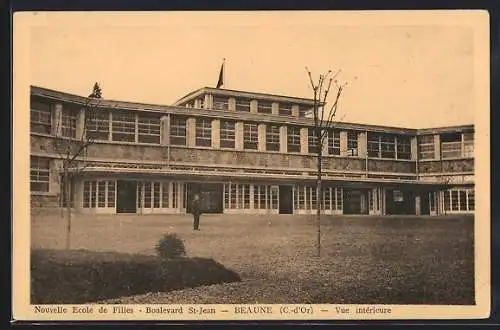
(251, 165)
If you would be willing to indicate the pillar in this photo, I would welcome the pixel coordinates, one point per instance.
(343, 143)
(54, 176)
(275, 108)
(208, 102)
(238, 135)
(295, 111)
(191, 132)
(232, 104)
(261, 131)
(57, 119)
(362, 144)
(80, 124)
(417, 204)
(324, 145)
(414, 148)
(437, 147)
(304, 141)
(215, 133)
(283, 139)
(165, 130)
(253, 106)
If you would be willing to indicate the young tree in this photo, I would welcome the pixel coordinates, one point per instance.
(324, 121)
(72, 151)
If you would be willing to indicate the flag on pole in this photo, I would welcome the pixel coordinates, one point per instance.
(220, 82)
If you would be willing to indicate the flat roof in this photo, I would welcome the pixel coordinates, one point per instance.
(109, 103)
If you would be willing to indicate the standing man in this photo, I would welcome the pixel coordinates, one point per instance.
(196, 211)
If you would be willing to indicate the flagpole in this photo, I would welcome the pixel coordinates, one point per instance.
(224, 78)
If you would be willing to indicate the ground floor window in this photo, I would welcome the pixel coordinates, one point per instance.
(157, 194)
(459, 200)
(246, 196)
(99, 194)
(305, 198)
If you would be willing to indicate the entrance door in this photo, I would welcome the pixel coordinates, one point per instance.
(126, 194)
(286, 200)
(210, 196)
(424, 203)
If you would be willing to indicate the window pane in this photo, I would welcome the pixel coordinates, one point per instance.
(250, 136)
(264, 107)
(243, 105)
(272, 138)
(227, 134)
(123, 126)
(293, 139)
(178, 131)
(149, 128)
(220, 103)
(39, 173)
(203, 132)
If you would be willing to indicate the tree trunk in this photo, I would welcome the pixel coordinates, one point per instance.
(318, 204)
(66, 188)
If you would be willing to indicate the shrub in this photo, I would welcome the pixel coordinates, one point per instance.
(170, 246)
(82, 276)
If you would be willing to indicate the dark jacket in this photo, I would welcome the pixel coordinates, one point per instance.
(195, 207)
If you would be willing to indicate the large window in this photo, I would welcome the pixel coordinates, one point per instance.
(403, 147)
(178, 131)
(68, 123)
(149, 128)
(459, 200)
(99, 194)
(451, 145)
(123, 126)
(272, 138)
(426, 147)
(352, 143)
(468, 139)
(293, 139)
(312, 141)
(334, 142)
(306, 199)
(203, 132)
(98, 126)
(40, 117)
(381, 145)
(39, 173)
(250, 136)
(285, 109)
(305, 111)
(227, 134)
(220, 103)
(264, 107)
(243, 105)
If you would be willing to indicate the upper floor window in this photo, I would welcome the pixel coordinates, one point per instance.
(334, 142)
(352, 143)
(306, 111)
(312, 141)
(203, 132)
(285, 109)
(98, 125)
(220, 103)
(250, 136)
(123, 126)
(178, 131)
(403, 147)
(426, 147)
(39, 173)
(293, 139)
(227, 134)
(201, 102)
(451, 145)
(381, 145)
(264, 107)
(68, 123)
(468, 139)
(243, 105)
(272, 138)
(149, 128)
(40, 117)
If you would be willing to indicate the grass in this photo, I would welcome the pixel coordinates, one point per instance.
(377, 260)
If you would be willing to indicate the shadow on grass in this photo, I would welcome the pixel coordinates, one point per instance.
(82, 276)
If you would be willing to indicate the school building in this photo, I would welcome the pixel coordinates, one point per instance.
(243, 152)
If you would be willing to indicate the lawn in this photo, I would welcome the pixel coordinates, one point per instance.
(378, 260)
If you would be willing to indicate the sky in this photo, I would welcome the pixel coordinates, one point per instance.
(411, 71)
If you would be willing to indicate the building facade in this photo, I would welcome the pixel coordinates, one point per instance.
(243, 152)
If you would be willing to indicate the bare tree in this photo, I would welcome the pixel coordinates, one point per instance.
(324, 121)
(71, 151)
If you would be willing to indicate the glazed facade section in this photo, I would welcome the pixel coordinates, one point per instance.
(243, 152)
